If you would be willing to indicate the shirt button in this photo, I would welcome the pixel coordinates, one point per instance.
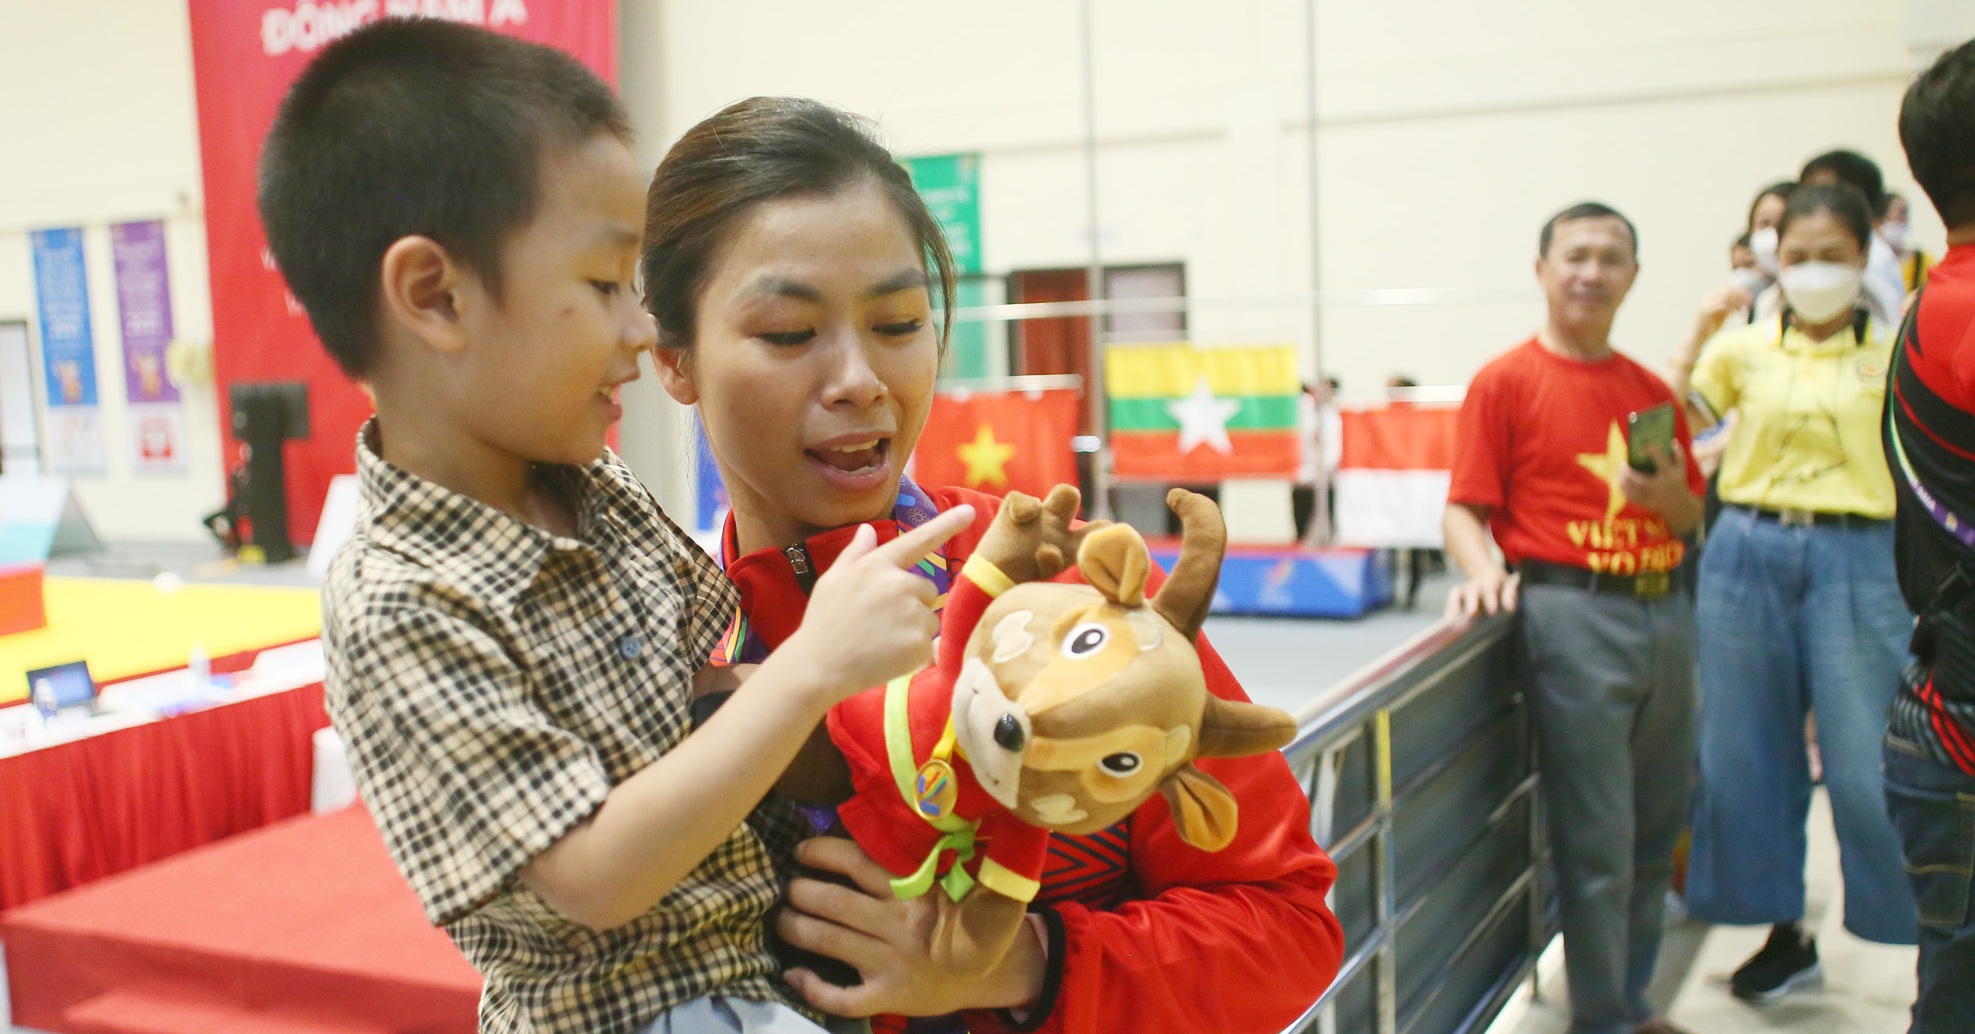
(630, 647)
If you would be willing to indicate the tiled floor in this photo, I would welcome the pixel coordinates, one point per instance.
(1866, 988)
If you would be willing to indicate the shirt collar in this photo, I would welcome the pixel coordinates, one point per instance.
(492, 556)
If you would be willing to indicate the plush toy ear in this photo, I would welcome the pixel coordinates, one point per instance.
(1203, 810)
(1230, 729)
(1115, 562)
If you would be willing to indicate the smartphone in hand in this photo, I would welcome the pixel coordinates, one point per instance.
(1645, 429)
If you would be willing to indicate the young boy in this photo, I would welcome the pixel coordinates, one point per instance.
(514, 628)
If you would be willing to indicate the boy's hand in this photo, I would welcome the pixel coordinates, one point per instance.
(870, 618)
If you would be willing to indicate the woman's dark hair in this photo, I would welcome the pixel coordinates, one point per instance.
(1782, 189)
(763, 149)
(1842, 200)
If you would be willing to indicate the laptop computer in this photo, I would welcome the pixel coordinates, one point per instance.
(63, 688)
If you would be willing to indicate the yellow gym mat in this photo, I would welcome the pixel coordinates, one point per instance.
(123, 627)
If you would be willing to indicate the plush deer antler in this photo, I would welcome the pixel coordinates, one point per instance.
(1032, 540)
(1189, 591)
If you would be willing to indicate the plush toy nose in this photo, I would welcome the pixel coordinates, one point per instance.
(1008, 733)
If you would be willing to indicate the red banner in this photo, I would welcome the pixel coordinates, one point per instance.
(244, 55)
(999, 441)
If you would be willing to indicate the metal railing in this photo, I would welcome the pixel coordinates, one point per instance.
(1422, 777)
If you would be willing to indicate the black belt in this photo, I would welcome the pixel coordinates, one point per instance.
(1651, 585)
(1792, 518)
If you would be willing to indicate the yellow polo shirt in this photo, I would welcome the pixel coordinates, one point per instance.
(1808, 438)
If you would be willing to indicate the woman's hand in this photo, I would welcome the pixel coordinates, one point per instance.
(886, 939)
(1715, 309)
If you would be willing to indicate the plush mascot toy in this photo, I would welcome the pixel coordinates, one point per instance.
(1050, 706)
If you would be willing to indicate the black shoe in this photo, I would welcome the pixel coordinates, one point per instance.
(1787, 960)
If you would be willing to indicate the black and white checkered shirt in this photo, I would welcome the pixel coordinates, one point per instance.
(493, 682)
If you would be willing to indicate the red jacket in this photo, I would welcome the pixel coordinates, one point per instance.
(1148, 932)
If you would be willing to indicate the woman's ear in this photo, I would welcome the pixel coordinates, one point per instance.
(421, 285)
(675, 372)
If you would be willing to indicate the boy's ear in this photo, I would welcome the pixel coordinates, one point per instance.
(421, 284)
(675, 372)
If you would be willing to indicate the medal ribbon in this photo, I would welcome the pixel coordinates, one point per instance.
(956, 834)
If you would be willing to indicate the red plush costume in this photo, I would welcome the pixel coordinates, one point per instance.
(1147, 933)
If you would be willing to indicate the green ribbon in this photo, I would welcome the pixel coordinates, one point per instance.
(956, 834)
(957, 881)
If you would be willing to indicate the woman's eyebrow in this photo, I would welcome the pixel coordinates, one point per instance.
(902, 281)
(784, 287)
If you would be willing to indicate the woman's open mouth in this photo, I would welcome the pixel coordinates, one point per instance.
(855, 465)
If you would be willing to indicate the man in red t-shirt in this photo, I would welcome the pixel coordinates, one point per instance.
(1542, 462)
(1930, 445)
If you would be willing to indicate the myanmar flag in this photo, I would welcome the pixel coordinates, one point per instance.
(1180, 413)
(999, 441)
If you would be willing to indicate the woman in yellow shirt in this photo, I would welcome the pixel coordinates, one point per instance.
(1798, 605)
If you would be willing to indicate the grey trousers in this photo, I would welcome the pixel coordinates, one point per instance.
(1613, 683)
(719, 1014)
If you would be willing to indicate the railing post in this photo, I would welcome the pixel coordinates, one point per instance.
(1385, 877)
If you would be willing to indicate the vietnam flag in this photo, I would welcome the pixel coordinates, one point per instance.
(1180, 413)
(999, 441)
(1393, 476)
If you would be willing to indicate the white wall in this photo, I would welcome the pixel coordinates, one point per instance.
(1449, 131)
(99, 128)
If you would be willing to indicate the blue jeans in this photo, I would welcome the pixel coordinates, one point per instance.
(1793, 620)
(1933, 806)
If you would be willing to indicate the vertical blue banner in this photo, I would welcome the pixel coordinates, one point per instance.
(62, 289)
(68, 352)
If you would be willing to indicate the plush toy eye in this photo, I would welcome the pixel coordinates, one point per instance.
(1008, 733)
(1085, 640)
(1121, 764)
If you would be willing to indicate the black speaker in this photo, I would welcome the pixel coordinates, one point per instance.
(264, 416)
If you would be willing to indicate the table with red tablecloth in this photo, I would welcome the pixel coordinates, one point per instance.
(304, 926)
(75, 812)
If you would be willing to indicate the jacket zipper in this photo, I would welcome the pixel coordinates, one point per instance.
(805, 574)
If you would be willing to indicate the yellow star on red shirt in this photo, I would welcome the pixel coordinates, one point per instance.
(986, 459)
(1607, 466)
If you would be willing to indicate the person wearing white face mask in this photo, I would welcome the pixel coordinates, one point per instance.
(1741, 299)
(1797, 603)
(1896, 229)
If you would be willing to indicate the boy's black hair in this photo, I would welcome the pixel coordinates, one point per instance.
(1585, 210)
(413, 127)
(1937, 128)
(1853, 168)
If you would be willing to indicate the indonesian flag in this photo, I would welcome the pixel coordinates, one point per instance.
(999, 441)
(1180, 413)
(1393, 476)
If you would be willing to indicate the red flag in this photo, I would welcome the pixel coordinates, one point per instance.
(999, 441)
